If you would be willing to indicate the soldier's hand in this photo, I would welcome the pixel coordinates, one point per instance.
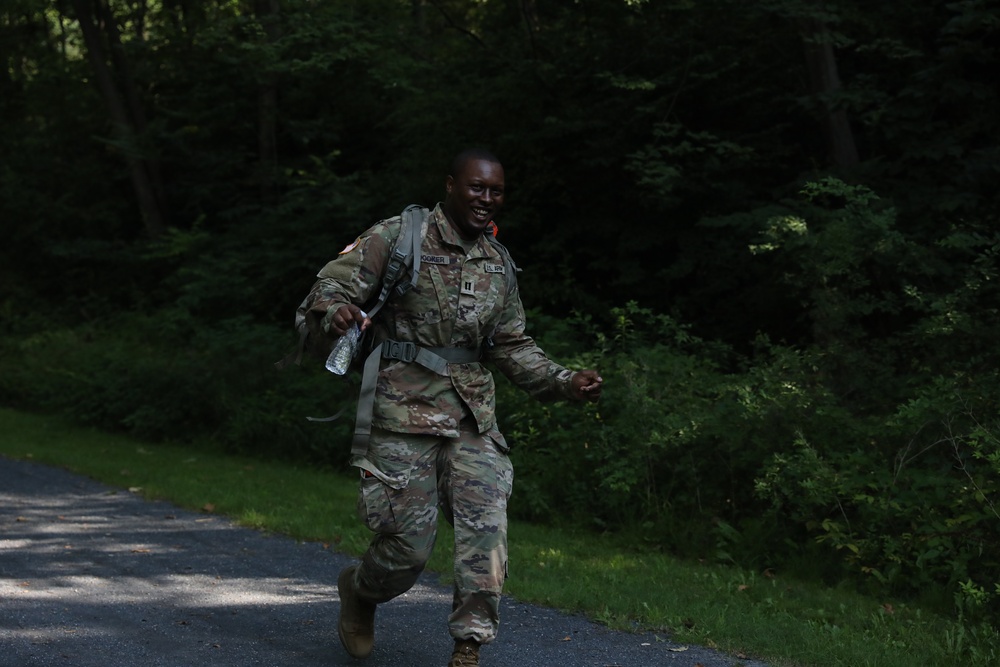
(586, 385)
(344, 318)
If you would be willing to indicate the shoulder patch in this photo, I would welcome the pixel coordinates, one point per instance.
(350, 246)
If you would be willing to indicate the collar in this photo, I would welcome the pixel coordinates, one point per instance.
(451, 236)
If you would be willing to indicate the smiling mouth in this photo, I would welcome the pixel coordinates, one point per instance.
(481, 213)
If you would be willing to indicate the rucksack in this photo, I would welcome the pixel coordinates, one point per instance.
(404, 259)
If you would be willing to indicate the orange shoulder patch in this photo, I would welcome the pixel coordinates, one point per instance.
(350, 246)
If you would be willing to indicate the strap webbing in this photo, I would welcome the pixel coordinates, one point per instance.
(407, 246)
(366, 401)
(413, 221)
(435, 359)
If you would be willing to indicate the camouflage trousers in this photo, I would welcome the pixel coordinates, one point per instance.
(407, 480)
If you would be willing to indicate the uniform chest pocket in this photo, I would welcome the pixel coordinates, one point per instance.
(480, 300)
(438, 306)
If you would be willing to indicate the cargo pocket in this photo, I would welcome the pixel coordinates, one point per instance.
(381, 482)
(375, 504)
(497, 438)
(504, 468)
(505, 476)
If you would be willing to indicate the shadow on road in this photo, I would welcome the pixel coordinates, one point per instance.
(95, 576)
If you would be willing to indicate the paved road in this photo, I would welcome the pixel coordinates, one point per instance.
(96, 576)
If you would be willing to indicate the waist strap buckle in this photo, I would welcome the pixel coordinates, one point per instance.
(404, 351)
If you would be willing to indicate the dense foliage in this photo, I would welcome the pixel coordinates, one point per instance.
(772, 227)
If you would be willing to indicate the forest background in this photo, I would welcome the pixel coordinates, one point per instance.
(771, 225)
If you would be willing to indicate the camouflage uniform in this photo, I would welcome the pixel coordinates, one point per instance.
(435, 442)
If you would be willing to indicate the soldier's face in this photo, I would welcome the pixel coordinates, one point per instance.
(474, 196)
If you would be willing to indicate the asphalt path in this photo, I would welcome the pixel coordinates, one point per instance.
(92, 575)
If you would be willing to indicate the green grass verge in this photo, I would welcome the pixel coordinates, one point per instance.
(782, 621)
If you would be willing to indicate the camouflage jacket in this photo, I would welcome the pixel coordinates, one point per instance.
(460, 299)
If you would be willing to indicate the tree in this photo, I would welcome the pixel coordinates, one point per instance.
(268, 13)
(113, 76)
(818, 43)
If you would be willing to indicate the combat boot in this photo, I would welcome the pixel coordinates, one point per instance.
(357, 617)
(466, 654)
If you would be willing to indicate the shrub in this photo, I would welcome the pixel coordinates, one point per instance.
(167, 377)
(914, 504)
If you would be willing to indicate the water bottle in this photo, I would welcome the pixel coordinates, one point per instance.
(344, 350)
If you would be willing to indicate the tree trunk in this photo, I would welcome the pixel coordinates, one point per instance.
(268, 12)
(824, 80)
(141, 10)
(123, 125)
(529, 10)
(417, 14)
(126, 83)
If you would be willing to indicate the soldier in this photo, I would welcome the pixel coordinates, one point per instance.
(434, 444)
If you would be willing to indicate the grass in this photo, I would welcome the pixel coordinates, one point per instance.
(747, 614)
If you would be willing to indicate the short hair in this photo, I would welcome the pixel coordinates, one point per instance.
(469, 154)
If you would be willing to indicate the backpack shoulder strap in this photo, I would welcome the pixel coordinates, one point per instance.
(413, 217)
(403, 256)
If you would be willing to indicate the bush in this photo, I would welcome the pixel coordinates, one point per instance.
(672, 448)
(693, 448)
(915, 504)
(166, 377)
